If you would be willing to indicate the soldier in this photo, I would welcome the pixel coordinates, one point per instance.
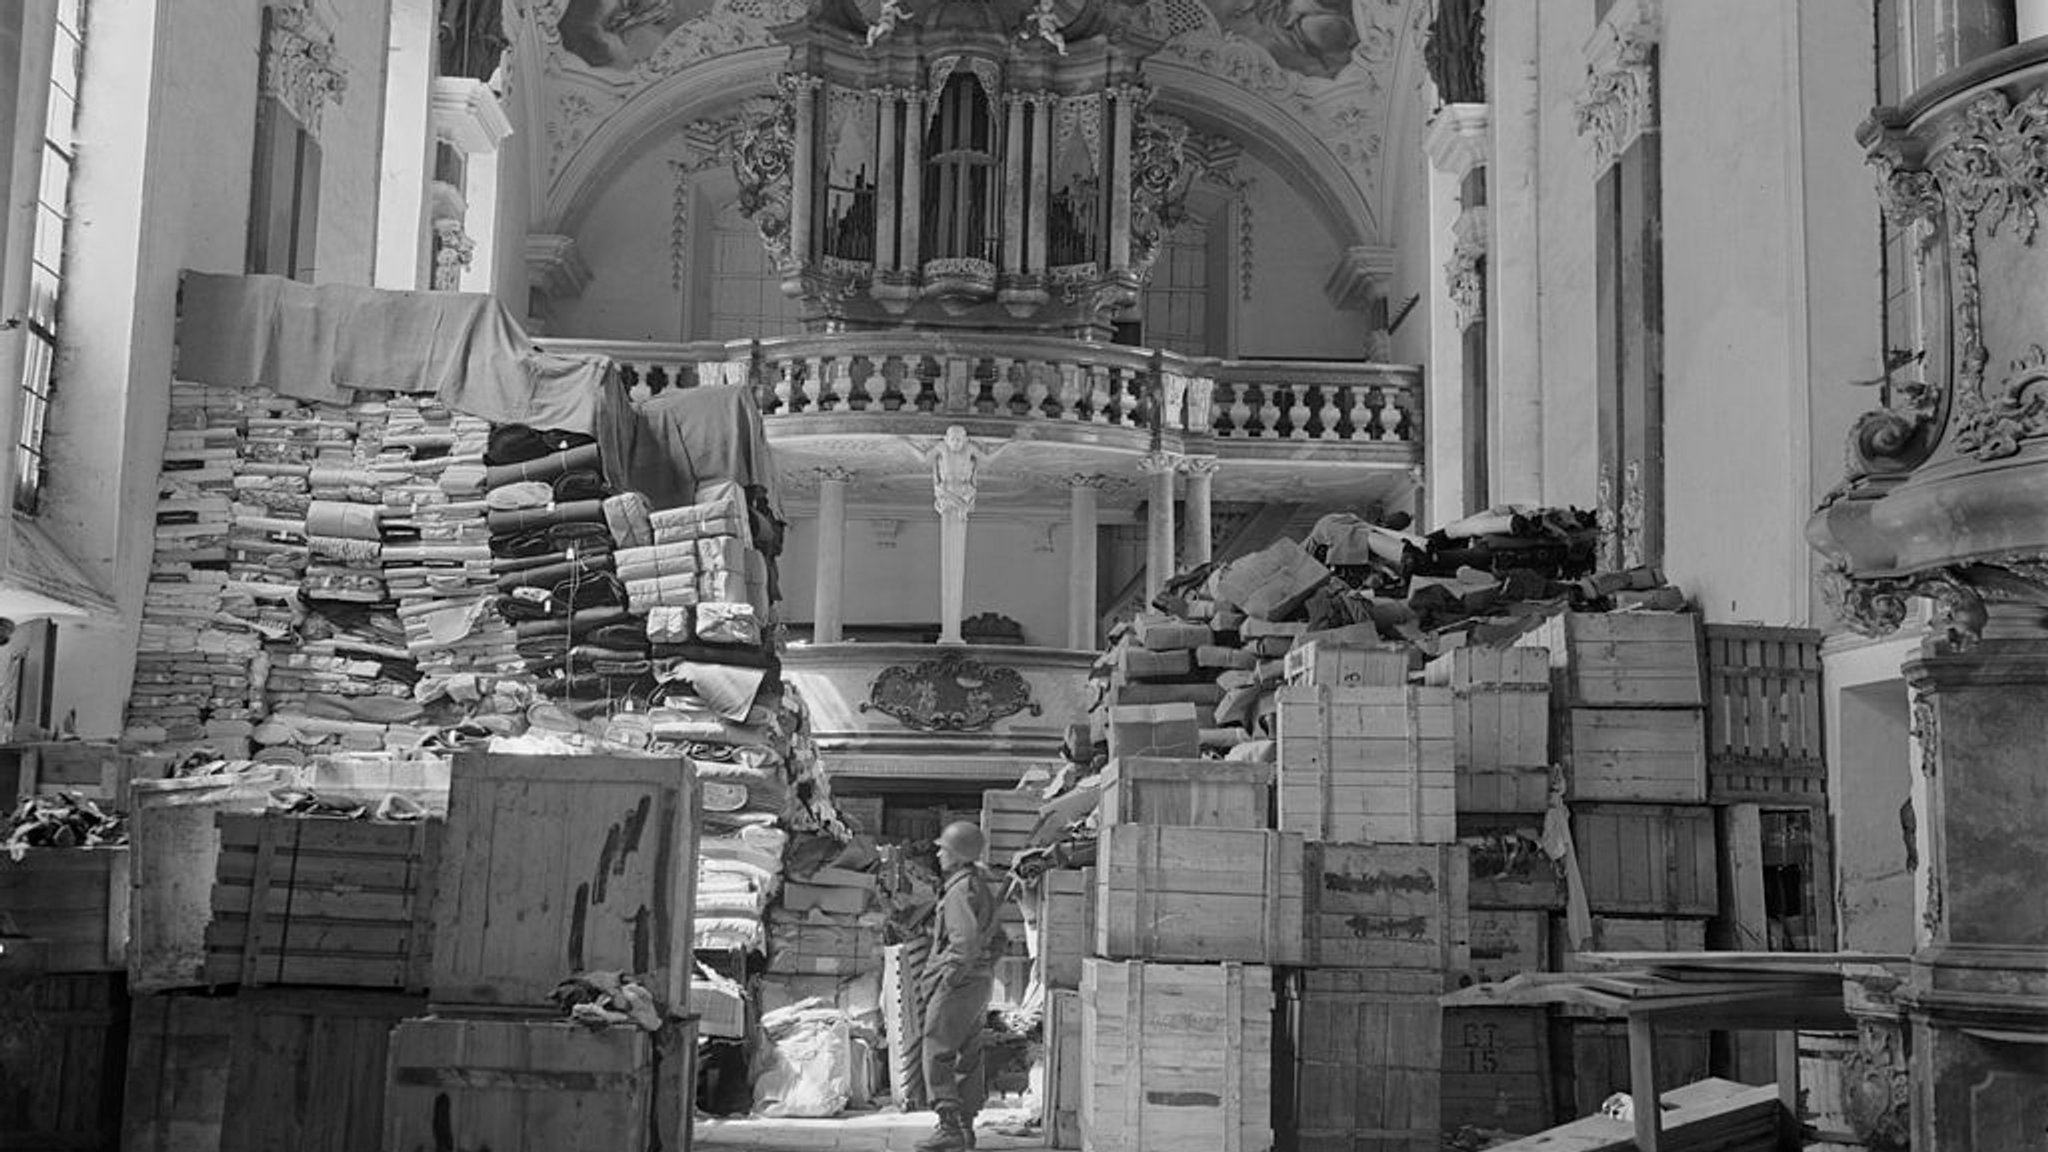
(960, 978)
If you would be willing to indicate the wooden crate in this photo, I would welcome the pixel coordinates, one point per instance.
(1323, 663)
(65, 910)
(1402, 906)
(300, 900)
(903, 1020)
(1509, 869)
(1600, 1068)
(1764, 715)
(98, 772)
(1356, 1061)
(1496, 1069)
(63, 1054)
(861, 813)
(1186, 793)
(1008, 816)
(1647, 859)
(1628, 934)
(1508, 943)
(1154, 730)
(1500, 726)
(1066, 924)
(1622, 659)
(1633, 755)
(1176, 1056)
(176, 845)
(520, 1085)
(259, 1071)
(1198, 895)
(822, 945)
(555, 865)
(1060, 1114)
(1367, 765)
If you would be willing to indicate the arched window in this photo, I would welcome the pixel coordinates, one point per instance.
(960, 174)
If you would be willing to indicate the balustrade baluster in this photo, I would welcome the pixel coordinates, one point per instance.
(1101, 402)
(1358, 412)
(1070, 390)
(814, 384)
(842, 383)
(1329, 414)
(872, 387)
(785, 386)
(1038, 403)
(1396, 416)
(982, 371)
(1297, 412)
(1269, 412)
(927, 372)
(1375, 407)
(1239, 409)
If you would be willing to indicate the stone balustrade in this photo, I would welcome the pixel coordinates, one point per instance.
(1040, 379)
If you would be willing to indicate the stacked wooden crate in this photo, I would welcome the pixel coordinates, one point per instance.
(1365, 774)
(554, 867)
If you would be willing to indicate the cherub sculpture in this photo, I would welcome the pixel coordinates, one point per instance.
(893, 13)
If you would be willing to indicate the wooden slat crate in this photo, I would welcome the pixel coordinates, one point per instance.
(99, 772)
(1500, 726)
(1496, 1069)
(1633, 755)
(63, 1057)
(1154, 730)
(1176, 1056)
(1647, 859)
(1186, 793)
(1066, 924)
(862, 813)
(65, 910)
(1322, 663)
(903, 1021)
(300, 900)
(1600, 1068)
(1007, 817)
(1764, 715)
(260, 1071)
(1508, 943)
(554, 865)
(1060, 1115)
(1357, 1062)
(1629, 934)
(176, 845)
(1509, 869)
(522, 1086)
(1367, 765)
(1622, 659)
(1198, 895)
(823, 945)
(1401, 906)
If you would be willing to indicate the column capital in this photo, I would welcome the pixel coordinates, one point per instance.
(468, 115)
(1200, 466)
(1460, 138)
(1159, 463)
(832, 474)
(1093, 481)
(1619, 103)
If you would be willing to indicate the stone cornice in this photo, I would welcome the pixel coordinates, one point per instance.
(1460, 138)
(468, 115)
(1619, 103)
(1361, 275)
(555, 266)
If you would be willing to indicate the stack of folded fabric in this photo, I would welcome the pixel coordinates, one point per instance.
(436, 537)
(738, 876)
(687, 575)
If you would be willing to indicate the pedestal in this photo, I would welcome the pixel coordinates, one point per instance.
(1159, 550)
(830, 593)
(1201, 472)
(952, 575)
(1081, 561)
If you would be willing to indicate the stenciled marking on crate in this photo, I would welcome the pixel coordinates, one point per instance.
(621, 842)
(1389, 927)
(1184, 1099)
(1418, 882)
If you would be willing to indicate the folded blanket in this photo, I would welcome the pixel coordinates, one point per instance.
(506, 565)
(549, 575)
(510, 520)
(579, 624)
(579, 484)
(523, 494)
(544, 468)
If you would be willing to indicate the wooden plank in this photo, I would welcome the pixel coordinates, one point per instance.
(1500, 726)
(180, 1054)
(61, 1060)
(1065, 1070)
(1322, 663)
(1622, 659)
(519, 1086)
(1358, 1061)
(1008, 816)
(1647, 859)
(1633, 755)
(1066, 924)
(1387, 906)
(1186, 792)
(1176, 1056)
(1507, 943)
(1199, 895)
(73, 903)
(176, 845)
(286, 1041)
(1496, 1069)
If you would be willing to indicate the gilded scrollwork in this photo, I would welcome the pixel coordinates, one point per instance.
(1993, 426)
(763, 149)
(1162, 169)
(1877, 1088)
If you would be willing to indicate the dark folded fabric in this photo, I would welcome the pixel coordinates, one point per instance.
(529, 544)
(505, 565)
(549, 575)
(506, 521)
(596, 590)
(594, 686)
(580, 484)
(554, 538)
(735, 655)
(544, 468)
(577, 625)
(621, 636)
(517, 444)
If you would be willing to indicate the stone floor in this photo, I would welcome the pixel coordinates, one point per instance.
(884, 1131)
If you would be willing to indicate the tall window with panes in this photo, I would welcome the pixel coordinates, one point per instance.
(58, 162)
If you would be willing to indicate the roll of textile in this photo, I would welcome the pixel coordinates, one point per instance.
(554, 538)
(517, 444)
(506, 565)
(626, 637)
(522, 494)
(505, 521)
(703, 653)
(580, 624)
(579, 484)
(679, 559)
(438, 551)
(545, 468)
(627, 516)
(463, 479)
(599, 590)
(346, 521)
(345, 548)
(320, 476)
(548, 575)
(658, 590)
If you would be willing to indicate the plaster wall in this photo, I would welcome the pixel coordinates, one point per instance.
(1409, 216)
(1288, 313)
(1871, 784)
(351, 145)
(1015, 567)
(1566, 319)
(625, 241)
(515, 208)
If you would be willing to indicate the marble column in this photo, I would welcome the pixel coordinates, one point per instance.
(1459, 139)
(1159, 550)
(829, 596)
(1042, 105)
(887, 181)
(800, 173)
(1978, 998)
(1013, 187)
(1201, 472)
(913, 182)
(1123, 106)
(1081, 560)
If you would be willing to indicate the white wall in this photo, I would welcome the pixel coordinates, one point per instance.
(515, 206)
(625, 241)
(1567, 319)
(351, 143)
(1292, 257)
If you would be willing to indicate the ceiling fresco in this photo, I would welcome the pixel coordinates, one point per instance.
(1338, 67)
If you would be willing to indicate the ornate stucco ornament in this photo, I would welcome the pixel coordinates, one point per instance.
(301, 68)
(1162, 169)
(1877, 605)
(763, 149)
(953, 693)
(1620, 100)
(1877, 1088)
(1462, 271)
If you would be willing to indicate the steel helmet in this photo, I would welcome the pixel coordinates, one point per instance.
(964, 838)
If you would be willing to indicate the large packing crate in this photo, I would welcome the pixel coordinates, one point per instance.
(66, 910)
(533, 1086)
(821, 944)
(1509, 869)
(96, 771)
(1496, 1069)
(1764, 715)
(903, 1020)
(1507, 943)
(260, 1071)
(1199, 895)
(1367, 765)
(1007, 817)
(301, 900)
(1600, 1067)
(1060, 1114)
(1633, 755)
(1066, 924)
(1622, 659)
(1629, 934)
(63, 1054)
(1154, 730)
(1187, 793)
(557, 865)
(1336, 664)
(1500, 726)
(1647, 859)
(1386, 906)
(1356, 1065)
(1176, 1056)
(175, 839)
